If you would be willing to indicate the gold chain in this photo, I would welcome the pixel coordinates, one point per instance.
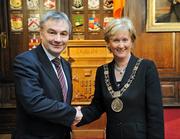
(120, 92)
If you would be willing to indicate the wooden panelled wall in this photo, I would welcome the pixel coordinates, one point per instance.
(162, 47)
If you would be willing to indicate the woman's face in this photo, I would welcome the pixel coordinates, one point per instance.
(120, 44)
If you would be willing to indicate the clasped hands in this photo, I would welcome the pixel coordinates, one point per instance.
(78, 116)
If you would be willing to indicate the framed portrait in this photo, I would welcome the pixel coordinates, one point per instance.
(163, 16)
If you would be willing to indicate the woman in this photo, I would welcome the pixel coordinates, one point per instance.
(127, 89)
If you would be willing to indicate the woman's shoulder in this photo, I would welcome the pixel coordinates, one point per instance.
(148, 65)
(148, 62)
(105, 64)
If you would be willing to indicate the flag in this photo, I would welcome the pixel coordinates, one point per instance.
(118, 8)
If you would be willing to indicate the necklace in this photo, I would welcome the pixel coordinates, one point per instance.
(120, 70)
(117, 104)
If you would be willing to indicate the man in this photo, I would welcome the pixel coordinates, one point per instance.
(43, 82)
(173, 15)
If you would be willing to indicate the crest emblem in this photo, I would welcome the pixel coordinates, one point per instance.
(16, 22)
(77, 5)
(94, 24)
(33, 4)
(93, 4)
(33, 22)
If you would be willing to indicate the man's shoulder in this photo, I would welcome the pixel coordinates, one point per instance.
(29, 53)
(26, 54)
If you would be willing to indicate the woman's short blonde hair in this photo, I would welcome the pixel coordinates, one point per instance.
(118, 25)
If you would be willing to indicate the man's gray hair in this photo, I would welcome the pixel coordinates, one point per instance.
(55, 15)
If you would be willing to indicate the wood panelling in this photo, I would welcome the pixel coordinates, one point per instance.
(92, 134)
(161, 47)
(171, 93)
(95, 129)
(85, 57)
(7, 120)
(177, 44)
(7, 96)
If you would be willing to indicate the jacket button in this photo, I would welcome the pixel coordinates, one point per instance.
(120, 123)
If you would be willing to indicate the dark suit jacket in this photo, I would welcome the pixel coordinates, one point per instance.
(41, 112)
(142, 114)
(168, 17)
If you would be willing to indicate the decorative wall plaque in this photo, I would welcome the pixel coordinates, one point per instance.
(33, 22)
(16, 4)
(34, 40)
(93, 4)
(107, 20)
(88, 18)
(32, 4)
(77, 5)
(78, 22)
(49, 4)
(93, 24)
(16, 22)
(108, 4)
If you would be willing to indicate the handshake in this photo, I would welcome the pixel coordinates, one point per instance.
(78, 116)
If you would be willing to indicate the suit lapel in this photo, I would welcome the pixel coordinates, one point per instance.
(47, 66)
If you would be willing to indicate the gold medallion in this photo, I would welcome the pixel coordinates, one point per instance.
(117, 105)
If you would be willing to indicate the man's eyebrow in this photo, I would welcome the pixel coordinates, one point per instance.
(50, 29)
(64, 31)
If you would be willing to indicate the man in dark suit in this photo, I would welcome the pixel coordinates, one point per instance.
(43, 102)
(173, 15)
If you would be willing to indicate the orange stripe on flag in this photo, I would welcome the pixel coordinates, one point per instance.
(118, 8)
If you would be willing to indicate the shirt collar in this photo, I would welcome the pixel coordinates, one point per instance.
(49, 55)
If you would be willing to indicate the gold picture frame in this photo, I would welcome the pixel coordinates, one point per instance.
(155, 10)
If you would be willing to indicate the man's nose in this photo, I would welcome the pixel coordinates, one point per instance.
(58, 37)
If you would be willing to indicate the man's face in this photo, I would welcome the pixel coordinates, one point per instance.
(54, 36)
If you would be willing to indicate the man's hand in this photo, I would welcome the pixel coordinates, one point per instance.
(79, 115)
